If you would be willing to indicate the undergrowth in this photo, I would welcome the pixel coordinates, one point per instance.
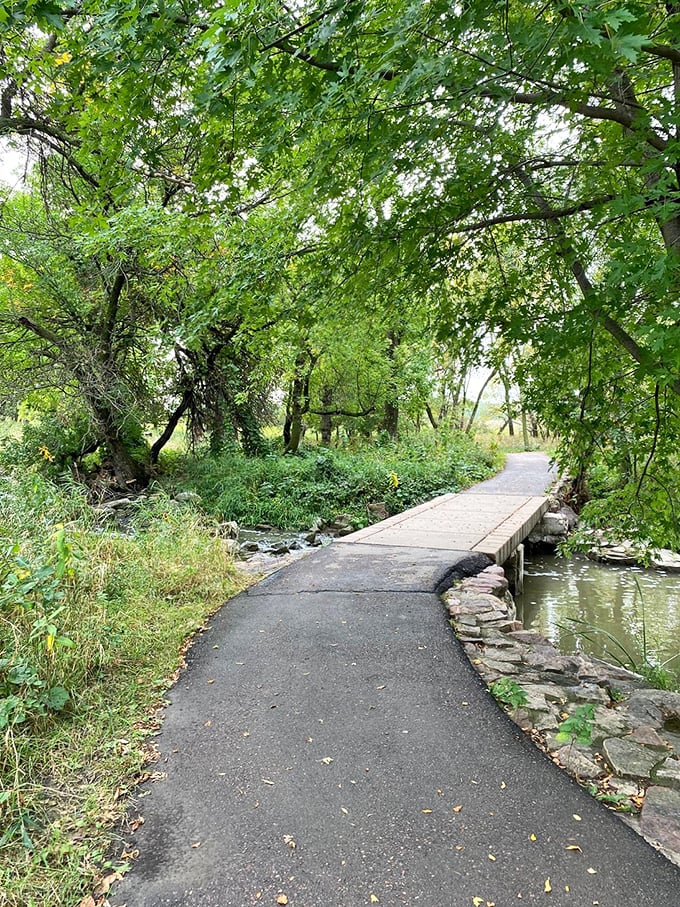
(92, 626)
(291, 492)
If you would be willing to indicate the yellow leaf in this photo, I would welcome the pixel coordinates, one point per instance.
(345, 811)
(532, 837)
(503, 785)
(566, 888)
(477, 902)
(282, 899)
(60, 59)
(196, 844)
(578, 818)
(574, 847)
(492, 858)
(591, 870)
(547, 887)
(374, 899)
(426, 811)
(457, 809)
(326, 760)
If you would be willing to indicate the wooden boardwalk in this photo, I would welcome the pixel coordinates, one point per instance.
(491, 524)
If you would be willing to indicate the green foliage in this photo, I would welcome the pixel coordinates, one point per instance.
(51, 442)
(578, 727)
(618, 801)
(292, 492)
(508, 692)
(92, 627)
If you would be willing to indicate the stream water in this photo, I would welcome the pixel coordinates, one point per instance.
(630, 604)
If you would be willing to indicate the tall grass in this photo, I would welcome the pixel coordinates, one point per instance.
(92, 626)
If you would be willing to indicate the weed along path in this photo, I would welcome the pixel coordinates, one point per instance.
(329, 744)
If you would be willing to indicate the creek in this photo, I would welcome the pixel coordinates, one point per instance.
(629, 603)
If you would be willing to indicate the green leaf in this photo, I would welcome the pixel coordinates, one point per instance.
(57, 697)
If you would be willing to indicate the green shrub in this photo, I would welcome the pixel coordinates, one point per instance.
(291, 492)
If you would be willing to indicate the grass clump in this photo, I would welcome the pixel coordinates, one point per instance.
(291, 492)
(92, 626)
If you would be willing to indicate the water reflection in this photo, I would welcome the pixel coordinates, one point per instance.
(621, 601)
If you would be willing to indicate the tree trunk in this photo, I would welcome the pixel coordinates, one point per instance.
(508, 406)
(127, 470)
(298, 401)
(525, 430)
(326, 418)
(169, 428)
(431, 416)
(390, 422)
(473, 414)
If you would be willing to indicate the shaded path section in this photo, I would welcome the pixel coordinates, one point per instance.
(331, 708)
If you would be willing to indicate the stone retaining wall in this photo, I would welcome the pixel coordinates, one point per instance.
(632, 761)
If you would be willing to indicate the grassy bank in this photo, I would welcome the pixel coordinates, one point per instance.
(92, 627)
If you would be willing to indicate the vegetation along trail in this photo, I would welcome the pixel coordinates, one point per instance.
(329, 743)
(306, 266)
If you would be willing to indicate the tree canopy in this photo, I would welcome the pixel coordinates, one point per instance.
(337, 198)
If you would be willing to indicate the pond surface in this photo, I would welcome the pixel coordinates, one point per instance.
(626, 602)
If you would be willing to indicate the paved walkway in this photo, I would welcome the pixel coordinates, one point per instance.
(329, 745)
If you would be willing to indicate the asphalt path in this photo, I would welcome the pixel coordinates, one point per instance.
(329, 744)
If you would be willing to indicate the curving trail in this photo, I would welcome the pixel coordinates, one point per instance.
(329, 745)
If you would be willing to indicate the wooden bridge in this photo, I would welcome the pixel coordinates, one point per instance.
(487, 523)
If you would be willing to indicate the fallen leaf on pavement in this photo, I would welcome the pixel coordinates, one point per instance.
(374, 899)
(266, 781)
(106, 883)
(492, 858)
(326, 760)
(578, 818)
(532, 837)
(282, 899)
(88, 902)
(591, 870)
(547, 887)
(574, 847)
(426, 811)
(457, 809)
(196, 844)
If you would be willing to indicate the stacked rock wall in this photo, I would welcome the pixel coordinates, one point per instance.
(632, 759)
